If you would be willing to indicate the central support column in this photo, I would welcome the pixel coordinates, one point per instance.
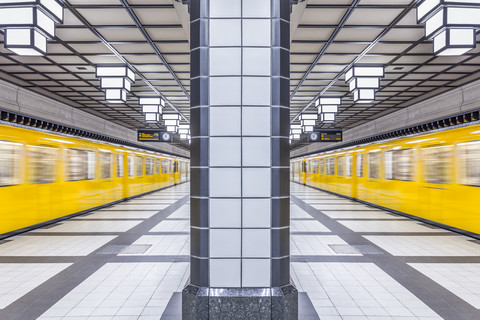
(240, 205)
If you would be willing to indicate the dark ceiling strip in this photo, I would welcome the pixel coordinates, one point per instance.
(154, 47)
(412, 5)
(342, 22)
(119, 55)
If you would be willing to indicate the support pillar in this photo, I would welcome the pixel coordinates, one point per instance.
(240, 205)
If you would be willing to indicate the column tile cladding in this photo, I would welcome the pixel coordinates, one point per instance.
(240, 166)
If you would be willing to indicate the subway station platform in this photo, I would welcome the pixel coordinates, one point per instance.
(131, 261)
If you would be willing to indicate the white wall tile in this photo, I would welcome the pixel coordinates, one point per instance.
(225, 9)
(225, 273)
(225, 91)
(256, 33)
(225, 243)
(225, 182)
(256, 273)
(256, 152)
(225, 213)
(256, 213)
(256, 243)
(225, 32)
(256, 91)
(225, 121)
(256, 61)
(256, 9)
(225, 61)
(225, 152)
(256, 121)
(256, 182)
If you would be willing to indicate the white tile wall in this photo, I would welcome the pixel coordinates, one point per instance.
(225, 61)
(225, 243)
(225, 273)
(256, 91)
(256, 8)
(256, 243)
(256, 61)
(225, 32)
(225, 91)
(256, 121)
(256, 213)
(256, 182)
(256, 33)
(255, 273)
(225, 213)
(225, 182)
(225, 9)
(225, 152)
(225, 121)
(256, 152)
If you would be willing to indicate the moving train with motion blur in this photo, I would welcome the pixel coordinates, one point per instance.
(433, 176)
(46, 176)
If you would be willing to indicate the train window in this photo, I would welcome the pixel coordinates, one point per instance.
(374, 165)
(149, 166)
(80, 165)
(331, 166)
(470, 163)
(341, 166)
(322, 167)
(403, 165)
(157, 166)
(42, 164)
(360, 165)
(9, 163)
(436, 164)
(139, 166)
(348, 165)
(165, 166)
(105, 165)
(314, 164)
(120, 165)
(388, 165)
(131, 165)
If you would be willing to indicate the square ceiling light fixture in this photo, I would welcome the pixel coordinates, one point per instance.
(295, 131)
(152, 108)
(364, 80)
(308, 121)
(116, 80)
(28, 24)
(452, 24)
(184, 131)
(328, 108)
(172, 121)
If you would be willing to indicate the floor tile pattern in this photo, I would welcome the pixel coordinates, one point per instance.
(130, 261)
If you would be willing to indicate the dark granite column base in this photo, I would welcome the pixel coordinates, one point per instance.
(200, 303)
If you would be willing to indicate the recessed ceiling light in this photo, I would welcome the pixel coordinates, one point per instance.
(81, 68)
(398, 68)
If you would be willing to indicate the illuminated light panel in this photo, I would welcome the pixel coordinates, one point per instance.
(452, 24)
(27, 24)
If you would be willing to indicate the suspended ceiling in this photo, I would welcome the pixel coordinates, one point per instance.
(152, 36)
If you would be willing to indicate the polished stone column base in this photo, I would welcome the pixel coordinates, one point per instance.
(279, 303)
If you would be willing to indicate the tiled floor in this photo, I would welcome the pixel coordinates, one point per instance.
(130, 261)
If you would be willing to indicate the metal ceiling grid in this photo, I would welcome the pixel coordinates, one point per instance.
(104, 32)
(378, 32)
(148, 35)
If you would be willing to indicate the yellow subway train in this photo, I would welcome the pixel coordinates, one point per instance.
(46, 176)
(433, 176)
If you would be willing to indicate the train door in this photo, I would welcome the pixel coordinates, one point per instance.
(106, 181)
(436, 180)
(42, 173)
